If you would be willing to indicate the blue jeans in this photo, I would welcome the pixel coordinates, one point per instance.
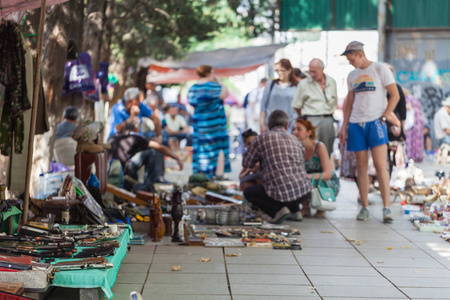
(152, 160)
(180, 136)
(445, 140)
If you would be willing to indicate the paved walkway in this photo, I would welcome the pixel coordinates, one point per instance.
(341, 259)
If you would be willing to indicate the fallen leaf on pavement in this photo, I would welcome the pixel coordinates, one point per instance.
(327, 231)
(380, 261)
(176, 268)
(234, 254)
(203, 259)
(389, 248)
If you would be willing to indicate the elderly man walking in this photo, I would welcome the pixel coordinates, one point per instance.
(316, 100)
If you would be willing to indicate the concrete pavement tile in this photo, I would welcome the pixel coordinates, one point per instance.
(438, 254)
(144, 258)
(429, 282)
(357, 298)
(332, 261)
(427, 293)
(264, 269)
(397, 252)
(258, 251)
(311, 296)
(414, 272)
(340, 271)
(268, 279)
(270, 290)
(187, 297)
(131, 277)
(262, 260)
(384, 245)
(326, 252)
(157, 278)
(319, 280)
(388, 292)
(187, 258)
(200, 268)
(205, 288)
(325, 244)
(122, 291)
(323, 235)
(187, 250)
(418, 236)
(377, 238)
(134, 268)
(437, 246)
(141, 249)
(400, 262)
(445, 262)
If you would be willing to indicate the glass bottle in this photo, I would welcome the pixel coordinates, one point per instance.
(65, 214)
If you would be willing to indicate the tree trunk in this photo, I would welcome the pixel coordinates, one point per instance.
(60, 26)
(93, 25)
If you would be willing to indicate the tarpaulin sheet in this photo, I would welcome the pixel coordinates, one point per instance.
(225, 62)
(96, 278)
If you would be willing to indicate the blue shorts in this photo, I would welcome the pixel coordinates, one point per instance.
(362, 136)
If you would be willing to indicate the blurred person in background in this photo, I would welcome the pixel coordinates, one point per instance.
(253, 107)
(210, 138)
(279, 93)
(69, 123)
(316, 100)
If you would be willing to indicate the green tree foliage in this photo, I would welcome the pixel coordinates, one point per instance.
(163, 28)
(256, 16)
(160, 28)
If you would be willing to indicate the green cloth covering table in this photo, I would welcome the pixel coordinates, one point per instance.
(14, 213)
(96, 278)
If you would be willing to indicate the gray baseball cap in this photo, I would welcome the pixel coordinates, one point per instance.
(353, 46)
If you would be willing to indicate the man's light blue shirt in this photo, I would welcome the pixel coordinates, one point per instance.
(119, 115)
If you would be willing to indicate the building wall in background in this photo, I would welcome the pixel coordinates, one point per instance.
(422, 64)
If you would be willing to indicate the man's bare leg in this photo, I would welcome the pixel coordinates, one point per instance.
(362, 158)
(379, 156)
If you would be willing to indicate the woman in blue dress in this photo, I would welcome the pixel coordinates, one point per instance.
(210, 123)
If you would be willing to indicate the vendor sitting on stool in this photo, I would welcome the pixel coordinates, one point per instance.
(134, 151)
(175, 126)
(282, 168)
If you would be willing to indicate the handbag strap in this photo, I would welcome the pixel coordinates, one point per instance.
(314, 179)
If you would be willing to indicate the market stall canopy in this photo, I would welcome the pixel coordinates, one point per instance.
(9, 6)
(226, 62)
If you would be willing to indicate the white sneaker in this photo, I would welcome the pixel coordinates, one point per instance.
(280, 216)
(297, 216)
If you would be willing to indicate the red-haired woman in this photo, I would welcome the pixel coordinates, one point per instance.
(317, 161)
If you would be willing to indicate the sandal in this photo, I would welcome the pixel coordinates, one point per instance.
(320, 214)
(306, 210)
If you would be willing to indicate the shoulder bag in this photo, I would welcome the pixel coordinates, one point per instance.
(322, 198)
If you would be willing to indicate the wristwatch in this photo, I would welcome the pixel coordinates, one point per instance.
(383, 118)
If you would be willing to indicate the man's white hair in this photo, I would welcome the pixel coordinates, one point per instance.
(319, 62)
(131, 93)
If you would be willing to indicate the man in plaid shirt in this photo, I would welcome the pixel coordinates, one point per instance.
(282, 168)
